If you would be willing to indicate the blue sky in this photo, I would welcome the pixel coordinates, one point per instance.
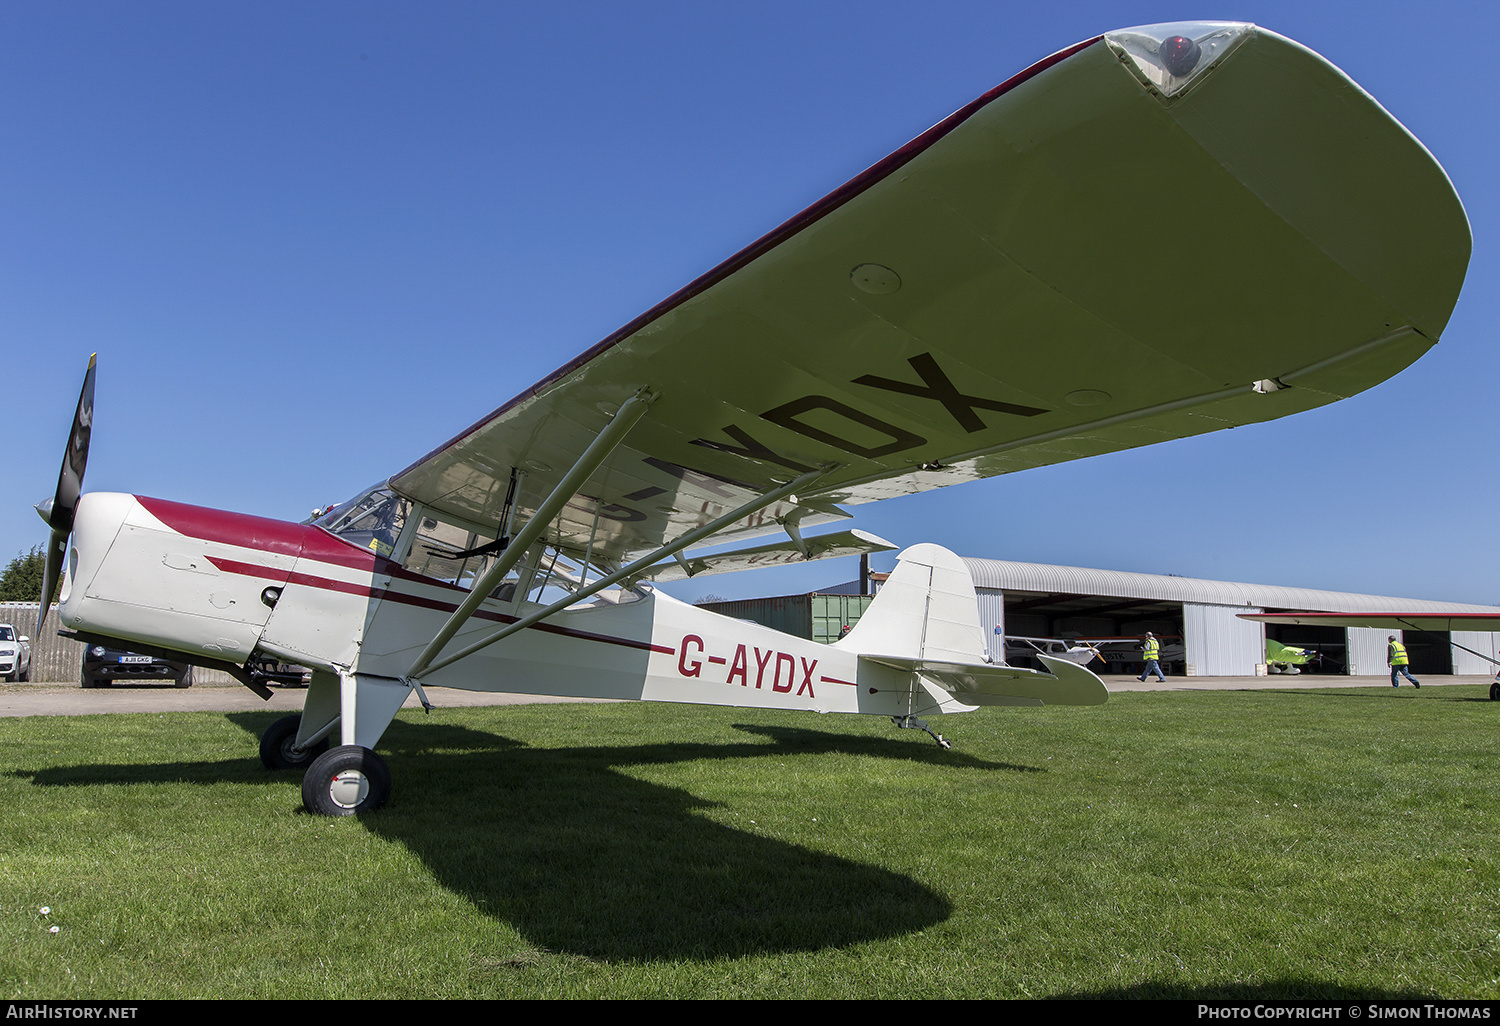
(310, 241)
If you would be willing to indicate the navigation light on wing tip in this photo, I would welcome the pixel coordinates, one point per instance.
(1169, 58)
(1179, 55)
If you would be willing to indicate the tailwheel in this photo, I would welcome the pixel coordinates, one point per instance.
(346, 780)
(917, 723)
(278, 745)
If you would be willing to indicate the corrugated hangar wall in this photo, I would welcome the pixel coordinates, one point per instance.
(1219, 643)
(1483, 642)
(992, 620)
(1367, 650)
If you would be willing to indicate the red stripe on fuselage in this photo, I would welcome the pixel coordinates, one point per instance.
(406, 598)
(278, 536)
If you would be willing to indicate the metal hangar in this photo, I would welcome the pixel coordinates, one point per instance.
(1199, 622)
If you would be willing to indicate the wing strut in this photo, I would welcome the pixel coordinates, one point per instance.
(599, 450)
(425, 663)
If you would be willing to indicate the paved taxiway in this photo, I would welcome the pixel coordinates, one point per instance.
(72, 700)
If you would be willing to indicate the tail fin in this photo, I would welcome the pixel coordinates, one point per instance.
(925, 621)
(925, 610)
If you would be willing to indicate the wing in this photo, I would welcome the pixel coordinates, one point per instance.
(1387, 621)
(1097, 254)
(852, 542)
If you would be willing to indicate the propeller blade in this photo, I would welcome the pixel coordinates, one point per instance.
(57, 551)
(76, 458)
(59, 510)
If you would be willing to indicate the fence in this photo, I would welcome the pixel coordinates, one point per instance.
(59, 660)
(53, 658)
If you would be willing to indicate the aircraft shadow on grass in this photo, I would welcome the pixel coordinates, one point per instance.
(582, 857)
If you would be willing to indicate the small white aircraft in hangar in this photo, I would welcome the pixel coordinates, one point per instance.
(1155, 233)
(1074, 650)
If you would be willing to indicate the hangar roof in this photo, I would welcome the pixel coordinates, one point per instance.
(1042, 579)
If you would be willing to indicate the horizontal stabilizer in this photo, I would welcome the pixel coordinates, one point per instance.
(824, 546)
(989, 684)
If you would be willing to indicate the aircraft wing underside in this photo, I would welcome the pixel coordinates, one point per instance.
(1073, 264)
(1385, 621)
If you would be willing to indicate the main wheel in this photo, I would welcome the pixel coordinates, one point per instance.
(278, 745)
(1495, 691)
(346, 780)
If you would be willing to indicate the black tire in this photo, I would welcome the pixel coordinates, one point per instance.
(277, 745)
(25, 675)
(344, 781)
(184, 679)
(88, 680)
(1495, 691)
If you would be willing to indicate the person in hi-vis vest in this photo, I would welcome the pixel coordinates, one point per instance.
(1151, 652)
(1395, 655)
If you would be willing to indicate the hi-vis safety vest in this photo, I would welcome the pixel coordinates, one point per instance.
(1398, 654)
(1153, 648)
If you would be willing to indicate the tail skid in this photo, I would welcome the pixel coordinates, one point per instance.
(925, 622)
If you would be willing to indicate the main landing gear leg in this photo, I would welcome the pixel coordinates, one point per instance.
(350, 778)
(916, 723)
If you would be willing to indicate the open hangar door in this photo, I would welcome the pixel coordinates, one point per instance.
(1431, 652)
(1330, 645)
(1099, 619)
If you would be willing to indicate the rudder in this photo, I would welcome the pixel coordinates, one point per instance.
(926, 609)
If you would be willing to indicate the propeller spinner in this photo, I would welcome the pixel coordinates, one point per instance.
(58, 511)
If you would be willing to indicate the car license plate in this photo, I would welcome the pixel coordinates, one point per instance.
(135, 659)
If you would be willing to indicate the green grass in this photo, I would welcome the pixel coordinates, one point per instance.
(1303, 844)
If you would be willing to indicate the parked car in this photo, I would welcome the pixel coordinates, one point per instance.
(15, 655)
(103, 666)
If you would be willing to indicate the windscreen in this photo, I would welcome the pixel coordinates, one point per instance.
(372, 520)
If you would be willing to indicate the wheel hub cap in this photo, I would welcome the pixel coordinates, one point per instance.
(348, 789)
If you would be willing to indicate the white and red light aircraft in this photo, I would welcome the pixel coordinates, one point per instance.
(1154, 233)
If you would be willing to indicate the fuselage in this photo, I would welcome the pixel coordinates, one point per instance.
(218, 586)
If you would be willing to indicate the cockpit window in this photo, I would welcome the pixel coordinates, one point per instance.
(458, 554)
(449, 553)
(559, 575)
(371, 520)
